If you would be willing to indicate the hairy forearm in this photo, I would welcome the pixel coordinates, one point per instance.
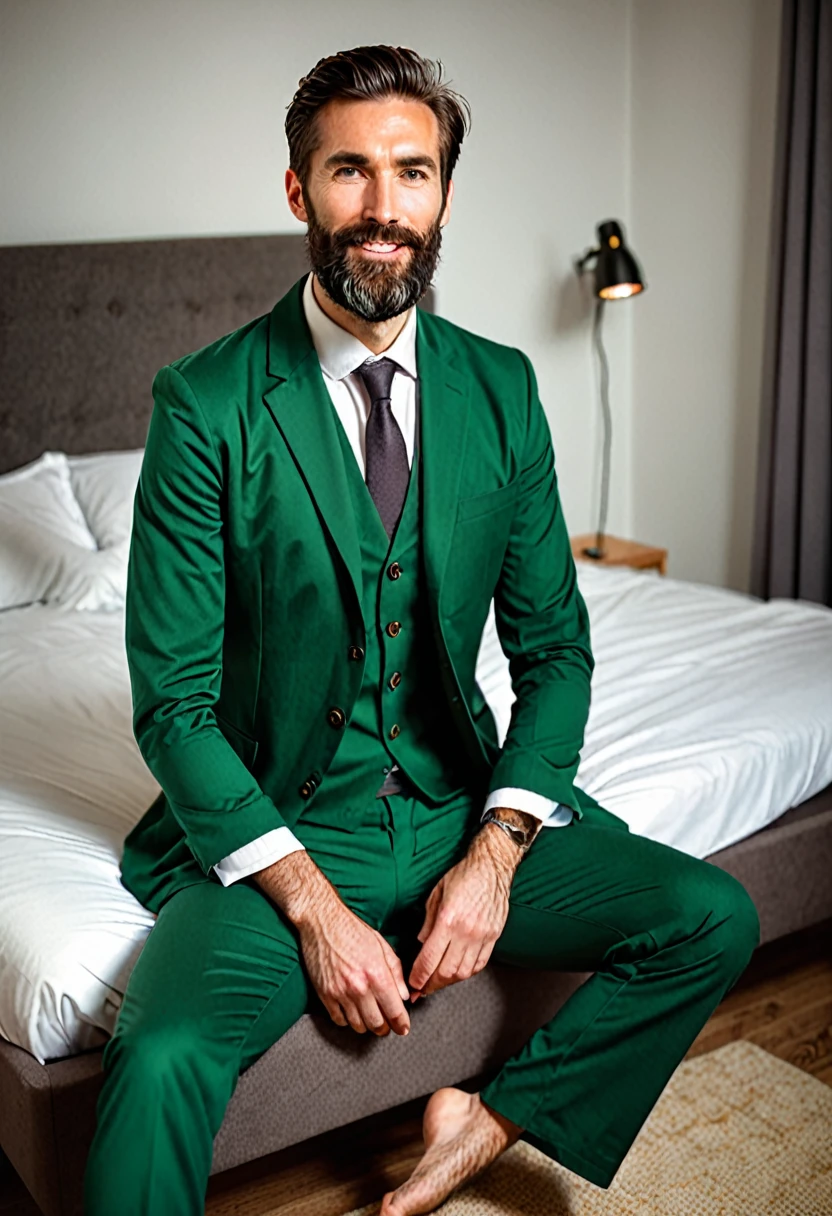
(298, 886)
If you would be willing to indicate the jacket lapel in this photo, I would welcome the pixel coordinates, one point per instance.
(302, 410)
(444, 407)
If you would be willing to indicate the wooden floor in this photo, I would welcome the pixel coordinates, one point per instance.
(783, 1003)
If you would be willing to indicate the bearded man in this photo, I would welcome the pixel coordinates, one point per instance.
(330, 499)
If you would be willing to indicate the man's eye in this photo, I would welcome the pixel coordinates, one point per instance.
(352, 169)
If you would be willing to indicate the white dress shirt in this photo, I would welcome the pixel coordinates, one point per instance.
(340, 353)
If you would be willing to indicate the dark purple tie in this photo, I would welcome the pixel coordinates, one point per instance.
(386, 453)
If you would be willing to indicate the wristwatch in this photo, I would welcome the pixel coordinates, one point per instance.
(522, 836)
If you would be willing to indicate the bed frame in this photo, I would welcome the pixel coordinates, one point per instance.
(83, 329)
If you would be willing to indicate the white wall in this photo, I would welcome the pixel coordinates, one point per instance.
(126, 121)
(704, 81)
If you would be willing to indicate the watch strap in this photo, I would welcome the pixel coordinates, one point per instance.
(521, 836)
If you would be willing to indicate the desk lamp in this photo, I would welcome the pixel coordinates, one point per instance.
(617, 277)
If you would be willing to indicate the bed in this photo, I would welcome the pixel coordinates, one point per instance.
(710, 727)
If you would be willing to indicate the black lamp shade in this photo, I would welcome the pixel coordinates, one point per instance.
(617, 273)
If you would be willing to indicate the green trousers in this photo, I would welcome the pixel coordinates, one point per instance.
(221, 978)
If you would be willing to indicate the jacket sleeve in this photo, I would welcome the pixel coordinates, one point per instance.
(543, 626)
(174, 627)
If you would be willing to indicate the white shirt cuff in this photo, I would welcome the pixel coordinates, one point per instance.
(552, 814)
(257, 854)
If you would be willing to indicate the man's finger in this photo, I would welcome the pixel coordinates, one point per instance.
(483, 956)
(353, 1016)
(390, 1005)
(395, 965)
(335, 1012)
(386, 993)
(429, 957)
(449, 965)
(430, 917)
(371, 1015)
(468, 961)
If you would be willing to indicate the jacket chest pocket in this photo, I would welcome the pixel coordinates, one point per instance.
(491, 501)
(481, 534)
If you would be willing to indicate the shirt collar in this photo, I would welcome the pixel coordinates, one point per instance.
(340, 352)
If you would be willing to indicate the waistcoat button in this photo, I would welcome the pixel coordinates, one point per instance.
(336, 717)
(394, 570)
(394, 628)
(395, 730)
(395, 679)
(306, 789)
(355, 652)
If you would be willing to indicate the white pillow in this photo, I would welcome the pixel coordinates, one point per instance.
(47, 552)
(104, 484)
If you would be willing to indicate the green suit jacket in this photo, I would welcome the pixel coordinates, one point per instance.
(244, 581)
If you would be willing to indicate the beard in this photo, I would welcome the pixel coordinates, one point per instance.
(372, 289)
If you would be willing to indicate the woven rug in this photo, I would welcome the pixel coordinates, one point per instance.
(736, 1132)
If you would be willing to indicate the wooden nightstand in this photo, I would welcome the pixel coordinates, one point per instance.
(618, 552)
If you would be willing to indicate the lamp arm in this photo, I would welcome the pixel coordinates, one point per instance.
(580, 263)
(607, 414)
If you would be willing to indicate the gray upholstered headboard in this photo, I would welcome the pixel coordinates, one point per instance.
(85, 327)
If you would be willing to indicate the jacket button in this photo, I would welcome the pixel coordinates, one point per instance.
(336, 717)
(395, 730)
(394, 570)
(309, 786)
(395, 680)
(394, 628)
(355, 652)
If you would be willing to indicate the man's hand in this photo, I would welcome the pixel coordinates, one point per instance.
(354, 969)
(466, 912)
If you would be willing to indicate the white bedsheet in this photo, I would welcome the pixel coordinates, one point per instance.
(711, 715)
(711, 711)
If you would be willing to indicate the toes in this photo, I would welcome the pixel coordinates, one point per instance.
(390, 1206)
(415, 1197)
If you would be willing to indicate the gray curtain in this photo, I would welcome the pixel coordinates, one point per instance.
(792, 553)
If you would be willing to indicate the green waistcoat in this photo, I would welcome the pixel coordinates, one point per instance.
(400, 715)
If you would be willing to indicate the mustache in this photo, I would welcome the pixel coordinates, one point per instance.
(387, 236)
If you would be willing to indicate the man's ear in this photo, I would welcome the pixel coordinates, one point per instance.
(294, 196)
(446, 211)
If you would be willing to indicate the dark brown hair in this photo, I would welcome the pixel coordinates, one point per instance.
(374, 73)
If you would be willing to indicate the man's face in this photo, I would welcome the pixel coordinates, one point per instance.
(374, 180)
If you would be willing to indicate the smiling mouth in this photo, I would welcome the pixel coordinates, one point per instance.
(381, 249)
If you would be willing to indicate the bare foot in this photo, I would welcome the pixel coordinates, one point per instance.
(462, 1137)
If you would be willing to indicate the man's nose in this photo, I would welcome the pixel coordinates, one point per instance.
(380, 204)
